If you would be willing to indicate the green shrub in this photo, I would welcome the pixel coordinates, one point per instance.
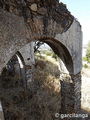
(88, 53)
(84, 59)
(48, 52)
(85, 66)
(54, 56)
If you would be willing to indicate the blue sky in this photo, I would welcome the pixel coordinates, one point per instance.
(81, 10)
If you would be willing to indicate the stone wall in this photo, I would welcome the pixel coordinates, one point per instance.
(25, 21)
(33, 8)
(27, 53)
(71, 94)
(72, 38)
(13, 32)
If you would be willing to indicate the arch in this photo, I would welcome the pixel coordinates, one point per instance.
(21, 65)
(20, 59)
(20, 35)
(62, 52)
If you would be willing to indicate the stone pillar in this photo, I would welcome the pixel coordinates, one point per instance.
(1, 112)
(23, 76)
(70, 94)
(28, 55)
(77, 91)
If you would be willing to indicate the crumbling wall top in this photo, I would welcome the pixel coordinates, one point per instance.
(34, 8)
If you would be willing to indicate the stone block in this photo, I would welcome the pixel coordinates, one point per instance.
(42, 11)
(34, 7)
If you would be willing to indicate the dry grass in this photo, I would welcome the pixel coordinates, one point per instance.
(40, 101)
(46, 78)
(42, 98)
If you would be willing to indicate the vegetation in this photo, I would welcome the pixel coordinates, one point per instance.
(37, 45)
(85, 66)
(48, 52)
(42, 98)
(84, 59)
(88, 53)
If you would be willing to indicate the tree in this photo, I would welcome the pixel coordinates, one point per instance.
(88, 52)
(37, 45)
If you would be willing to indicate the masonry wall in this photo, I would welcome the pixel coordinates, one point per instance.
(24, 21)
(72, 38)
(71, 94)
(27, 53)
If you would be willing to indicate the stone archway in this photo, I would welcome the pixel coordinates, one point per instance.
(22, 68)
(12, 77)
(49, 22)
(15, 36)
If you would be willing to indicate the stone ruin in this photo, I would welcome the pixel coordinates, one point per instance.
(49, 21)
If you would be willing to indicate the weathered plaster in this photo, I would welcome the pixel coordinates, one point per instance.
(72, 39)
(12, 32)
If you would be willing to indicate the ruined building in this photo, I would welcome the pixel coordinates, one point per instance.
(24, 21)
